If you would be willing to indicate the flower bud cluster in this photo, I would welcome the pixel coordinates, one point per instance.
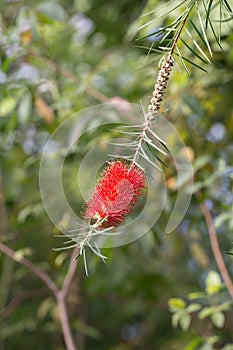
(160, 85)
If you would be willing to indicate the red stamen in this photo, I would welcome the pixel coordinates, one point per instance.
(117, 191)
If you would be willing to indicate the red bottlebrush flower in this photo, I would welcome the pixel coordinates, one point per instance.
(118, 189)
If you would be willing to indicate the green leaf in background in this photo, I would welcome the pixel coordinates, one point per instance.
(33, 210)
(52, 10)
(176, 304)
(205, 312)
(228, 347)
(25, 108)
(7, 105)
(213, 283)
(218, 319)
(196, 295)
(194, 344)
(193, 308)
(58, 58)
(175, 319)
(185, 322)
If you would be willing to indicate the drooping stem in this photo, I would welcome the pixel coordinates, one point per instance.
(159, 90)
(63, 312)
(70, 273)
(216, 249)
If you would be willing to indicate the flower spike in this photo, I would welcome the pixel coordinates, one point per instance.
(118, 190)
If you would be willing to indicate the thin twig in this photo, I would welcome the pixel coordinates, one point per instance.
(65, 322)
(3, 212)
(216, 249)
(178, 35)
(32, 267)
(99, 96)
(15, 302)
(70, 273)
(159, 90)
(51, 286)
(42, 275)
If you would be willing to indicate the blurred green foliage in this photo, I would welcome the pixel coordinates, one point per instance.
(56, 58)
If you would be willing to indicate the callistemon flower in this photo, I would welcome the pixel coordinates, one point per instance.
(117, 191)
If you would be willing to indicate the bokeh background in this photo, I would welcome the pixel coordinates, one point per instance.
(57, 58)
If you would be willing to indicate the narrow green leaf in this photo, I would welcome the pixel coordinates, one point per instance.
(85, 261)
(166, 5)
(203, 30)
(77, 256)
(182, 60)
(173, 26)
(146, 158)
(152, 151)
(194, 52)
(192, 63)
(198, 33)
(64, 248)
(221, 218)
(149, 49)
(160, 31)
(208, 13)
(197, 45)
(229, 253)
(228, 6)
(212, 29)
(220, 24)
(155, 144)
(150, 131)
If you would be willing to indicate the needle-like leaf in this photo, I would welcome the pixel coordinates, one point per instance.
(197, 45)
(194, 52)
(208, 13)
(203, 29)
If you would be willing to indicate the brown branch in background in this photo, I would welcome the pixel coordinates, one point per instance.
(99, 96)
(3, 213)
(15, 302)
(65, 322)
(42, 275)
(70, 273)
(216, 249)
(32, 267)
(120, 104)
(52, 287)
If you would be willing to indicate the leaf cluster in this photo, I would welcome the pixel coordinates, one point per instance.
(206, 22)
